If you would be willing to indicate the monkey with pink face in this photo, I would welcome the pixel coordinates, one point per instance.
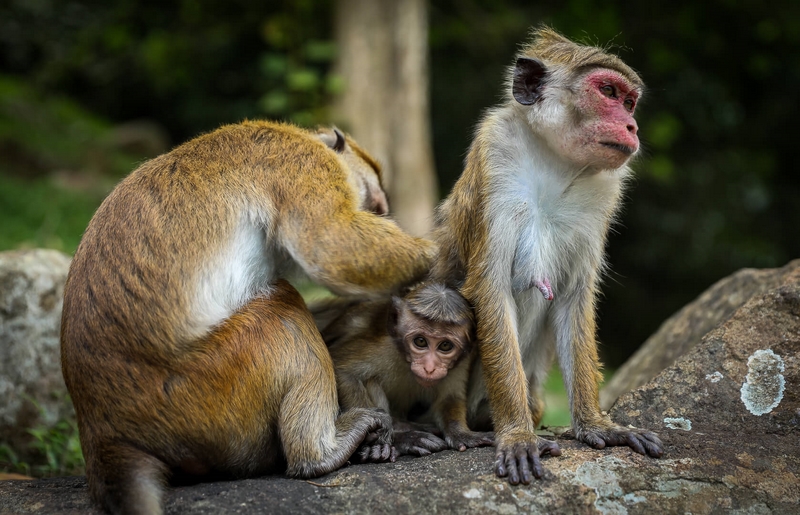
(522, 237)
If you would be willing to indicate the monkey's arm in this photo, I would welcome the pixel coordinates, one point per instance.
(357, 393)
(577, 355)
(488, 287)
(451, 415)
(355, 252)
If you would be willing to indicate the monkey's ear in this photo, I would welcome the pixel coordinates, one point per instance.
(528, 80)
(394, 315)
(334, 141)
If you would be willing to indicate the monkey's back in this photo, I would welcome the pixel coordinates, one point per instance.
(188, 237)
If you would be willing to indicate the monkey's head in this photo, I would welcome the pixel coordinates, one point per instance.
(579, 98)
(433, 326)
(365, 173)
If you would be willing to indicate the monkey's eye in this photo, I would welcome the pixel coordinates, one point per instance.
(446, 346)
(629, 104)
(420, 342)
(608, 91)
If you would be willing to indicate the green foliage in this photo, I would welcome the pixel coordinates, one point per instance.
(192, 65)
(61, 447)
(58, 161)
(39, 133)
(54, 450)
(40, 213)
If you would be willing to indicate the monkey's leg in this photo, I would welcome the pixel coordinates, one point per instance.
(368, 394)
(314, 440)
(580, 365)
(452, 416)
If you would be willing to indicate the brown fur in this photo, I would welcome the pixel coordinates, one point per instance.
(163, 378)
(557, 51)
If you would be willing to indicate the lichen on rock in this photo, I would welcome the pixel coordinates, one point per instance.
(763, 388)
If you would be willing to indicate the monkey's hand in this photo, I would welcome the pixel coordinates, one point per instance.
(418, 443)
(375, 453)
(517, 457)
(607, 433)
(405, 425)
(463, 440)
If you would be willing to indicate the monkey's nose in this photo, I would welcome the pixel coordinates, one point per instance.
(633, 128)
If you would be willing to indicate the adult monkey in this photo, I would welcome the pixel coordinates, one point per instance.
(529, 215)
(183, 349)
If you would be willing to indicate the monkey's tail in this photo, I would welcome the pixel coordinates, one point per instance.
(127, 480)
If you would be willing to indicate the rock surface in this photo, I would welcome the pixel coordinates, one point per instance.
(31, 295)
(728, 412)
(683, 330)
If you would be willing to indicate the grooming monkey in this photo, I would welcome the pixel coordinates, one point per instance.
(182, 347)
(404, 352)
(523, 233)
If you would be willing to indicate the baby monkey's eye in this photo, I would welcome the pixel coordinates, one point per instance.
(446, 346)
(420, 342)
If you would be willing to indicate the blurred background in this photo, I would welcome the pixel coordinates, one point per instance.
(90, 88)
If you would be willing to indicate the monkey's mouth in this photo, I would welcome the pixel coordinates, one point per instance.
(625, 149)
(426, 383)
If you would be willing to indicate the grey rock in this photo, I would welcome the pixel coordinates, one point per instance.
(720, 455)
(743, 378)
(31, 293)
(683, 330)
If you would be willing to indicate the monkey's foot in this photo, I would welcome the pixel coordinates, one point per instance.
(469, 439)
(418, 443)
(544, 287)
(640, 440)
(519, 460)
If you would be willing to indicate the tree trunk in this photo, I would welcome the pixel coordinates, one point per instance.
(383, 59)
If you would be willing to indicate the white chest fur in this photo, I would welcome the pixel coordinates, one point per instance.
(558, 215)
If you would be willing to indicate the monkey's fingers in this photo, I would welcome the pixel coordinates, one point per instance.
(512, 463)
(548, 447)
(469, 440)
(432, 443)
(643, 442)
(375, 453)
(419, 451)
(646, 443)
(410, 442)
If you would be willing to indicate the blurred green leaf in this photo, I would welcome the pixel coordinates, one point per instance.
(275, 103)
(302, 80)
(663, 130)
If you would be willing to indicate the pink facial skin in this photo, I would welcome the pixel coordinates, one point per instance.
(427, 366)
(432, 357)
(612, 100)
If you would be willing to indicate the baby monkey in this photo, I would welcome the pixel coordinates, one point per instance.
(401, 354)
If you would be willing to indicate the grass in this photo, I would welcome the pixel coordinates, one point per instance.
(556, 411)
(38, 213)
